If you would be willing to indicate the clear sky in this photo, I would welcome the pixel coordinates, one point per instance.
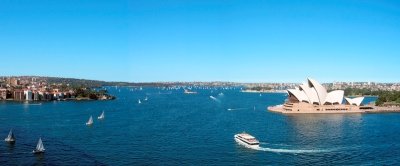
(215, 40)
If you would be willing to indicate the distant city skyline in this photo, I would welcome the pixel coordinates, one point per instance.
(238, 41)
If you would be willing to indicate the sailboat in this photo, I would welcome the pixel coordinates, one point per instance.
(10, 138)
(90, 121)
(139, 101)
(101, 117)
(39, 147)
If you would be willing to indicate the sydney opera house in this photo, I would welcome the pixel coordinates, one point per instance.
(312, 97)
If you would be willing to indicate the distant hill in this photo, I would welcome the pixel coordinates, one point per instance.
(98, 83)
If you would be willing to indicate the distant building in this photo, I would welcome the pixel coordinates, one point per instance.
(312, 97)
(18, 95)
(61, 95)
(56, 96)
(47, 96)
(3, 94)
(36, 96)
(13, 81)
(28, 95)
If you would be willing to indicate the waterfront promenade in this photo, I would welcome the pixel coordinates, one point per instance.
(368, 109)
(378, 109)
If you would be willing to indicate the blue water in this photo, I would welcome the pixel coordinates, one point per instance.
(172, 128)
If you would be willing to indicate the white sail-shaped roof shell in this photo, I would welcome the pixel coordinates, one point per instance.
(300, 95)
(320, 90)
(310, 93)
(313, 92)
(334, 97)
(355, 101)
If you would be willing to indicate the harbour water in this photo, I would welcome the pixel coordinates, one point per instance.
(173, 128)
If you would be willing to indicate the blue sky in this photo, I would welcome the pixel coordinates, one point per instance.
(242, 41)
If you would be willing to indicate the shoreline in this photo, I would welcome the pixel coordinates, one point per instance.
(40, 101)
(373, 110)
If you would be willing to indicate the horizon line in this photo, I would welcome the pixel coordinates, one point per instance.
(242, 82)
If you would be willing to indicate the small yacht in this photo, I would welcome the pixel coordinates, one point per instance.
(247, 140)
(90, 121)
(10, 138)
(139, 101)
(39, 147)
(101, 117)
(145, 99)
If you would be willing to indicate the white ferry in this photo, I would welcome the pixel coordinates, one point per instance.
(247, 140)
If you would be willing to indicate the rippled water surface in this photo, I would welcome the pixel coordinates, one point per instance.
(172, 128)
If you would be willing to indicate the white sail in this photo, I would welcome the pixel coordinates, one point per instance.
(90, 121)
(39, 147)
(101, 116)
(10, 137)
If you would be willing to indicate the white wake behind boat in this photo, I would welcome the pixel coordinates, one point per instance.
(247, 140)
(101, 117)
(90, 121)
(10, 138)
(39, 147)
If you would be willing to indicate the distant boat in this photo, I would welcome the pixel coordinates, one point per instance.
(139, 101)
(145, 99)
(39, 147)
(10, 138)
(90, 121)
(101, 117)
(27, 103)
(189, 92)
